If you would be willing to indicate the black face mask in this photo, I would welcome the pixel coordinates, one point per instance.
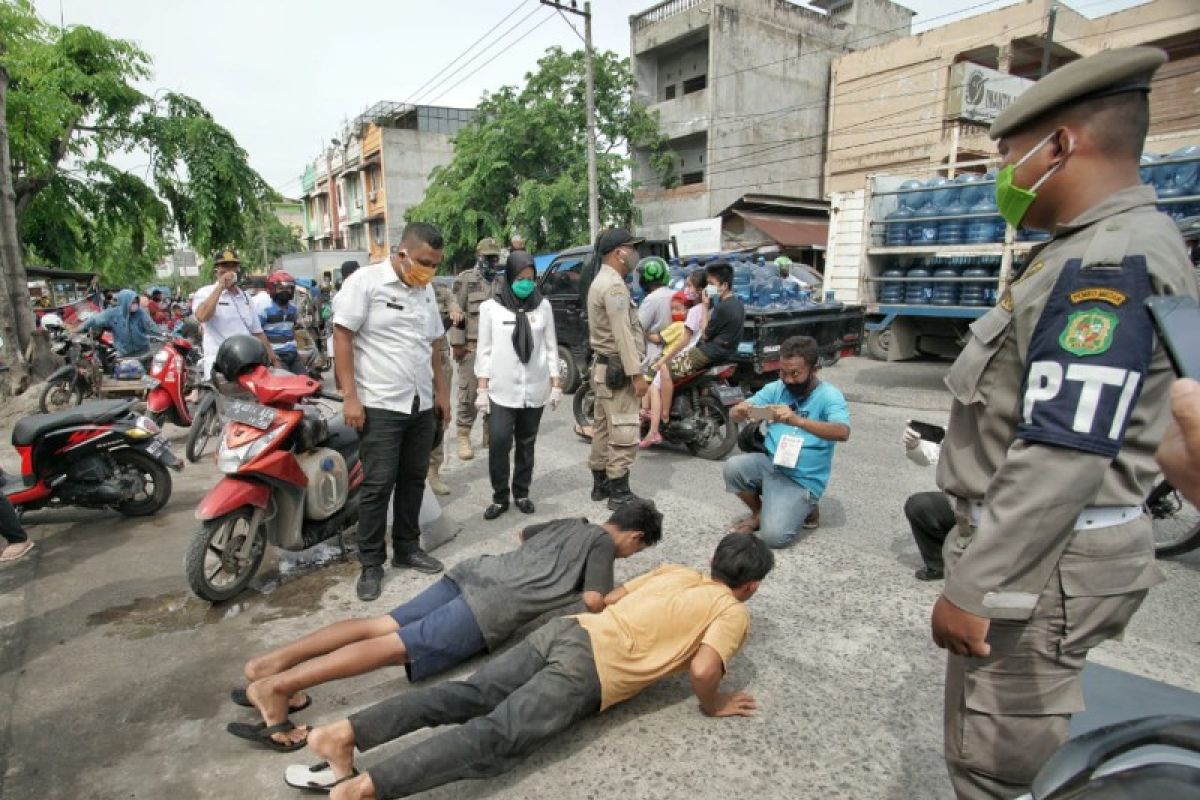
(488, 268)
(283, 297)
(801, 390)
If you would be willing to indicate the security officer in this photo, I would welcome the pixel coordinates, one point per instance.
(452, 316)
(471, 288)
(617, 380)
(1059, 401)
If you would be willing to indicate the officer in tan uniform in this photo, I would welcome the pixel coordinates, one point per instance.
(617, 381)
(1059, 403)
(452, 317)
(472, 288)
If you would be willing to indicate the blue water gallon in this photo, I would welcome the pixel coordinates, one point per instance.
(891, 291)
(1148, 170)
(945, 293)
(918, 292)
(895, 229)
(981, 230)
(923, 232)
(953, 231)
(972, 188)
(742, 277)
(974, 293)
(1186, 175)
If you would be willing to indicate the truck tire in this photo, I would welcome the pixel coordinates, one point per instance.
(878, 343)
(568, 370)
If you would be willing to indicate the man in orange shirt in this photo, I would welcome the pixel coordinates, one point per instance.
(667, 621)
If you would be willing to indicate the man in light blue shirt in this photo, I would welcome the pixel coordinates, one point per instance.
(807, 416)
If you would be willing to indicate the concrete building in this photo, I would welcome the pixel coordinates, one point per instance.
(290, 214)
(740, 89)
(927, 100)
(357, 192)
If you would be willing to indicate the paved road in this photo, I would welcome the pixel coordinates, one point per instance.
(113, 679)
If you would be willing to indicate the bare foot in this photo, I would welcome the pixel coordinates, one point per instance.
(360, 788)
(335, 744)
(264, 667)
(746, 525)
(273, 706)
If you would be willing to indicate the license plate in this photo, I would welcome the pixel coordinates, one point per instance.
(156, 447)
(730, 395)
(252, 414)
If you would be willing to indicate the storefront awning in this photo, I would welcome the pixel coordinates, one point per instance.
(789, 231)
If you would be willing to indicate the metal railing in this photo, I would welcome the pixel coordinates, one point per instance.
(662, 11)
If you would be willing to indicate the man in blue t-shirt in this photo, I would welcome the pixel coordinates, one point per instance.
(782, 485)
(278, 318)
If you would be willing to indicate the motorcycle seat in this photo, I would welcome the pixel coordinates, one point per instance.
(27, 430)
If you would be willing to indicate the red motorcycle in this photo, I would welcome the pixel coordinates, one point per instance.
(174, 375)
(291, 479)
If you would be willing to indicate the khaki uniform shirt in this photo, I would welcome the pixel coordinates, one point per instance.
(447, 305)
(613, 321)
(1060, 401)
(471, 290)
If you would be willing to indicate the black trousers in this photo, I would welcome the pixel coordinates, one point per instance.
(515, 703)
(10, 524)
(931, 519)
(395, 457)
(509, 426)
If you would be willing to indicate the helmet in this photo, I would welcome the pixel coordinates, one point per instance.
(279, 280)
(487, 247)
(51, 321)
(783, 261)
(654, 270)
(227, 256)
(238, 354)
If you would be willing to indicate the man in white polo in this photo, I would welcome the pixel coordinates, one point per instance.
(385, 323)
(224, 310)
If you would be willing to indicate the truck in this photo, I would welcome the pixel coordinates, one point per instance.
(926, 252)
(837, 327)
(313, 264)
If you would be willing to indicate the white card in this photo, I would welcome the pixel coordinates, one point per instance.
(788, 451)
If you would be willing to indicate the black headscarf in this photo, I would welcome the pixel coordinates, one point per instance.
(518, 262)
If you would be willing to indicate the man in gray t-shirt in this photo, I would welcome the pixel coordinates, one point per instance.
(475, 607)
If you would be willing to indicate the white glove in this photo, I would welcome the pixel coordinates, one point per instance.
(555, 397)
(911, 439)
(482, 403)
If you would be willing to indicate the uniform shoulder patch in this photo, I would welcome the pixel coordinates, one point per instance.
(1089, 333)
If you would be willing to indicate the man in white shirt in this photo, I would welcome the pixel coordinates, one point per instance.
(385, 323)
(224, 310)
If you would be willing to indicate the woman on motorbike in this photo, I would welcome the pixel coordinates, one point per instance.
(131, 326)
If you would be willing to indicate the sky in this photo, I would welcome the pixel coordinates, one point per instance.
(283, 75)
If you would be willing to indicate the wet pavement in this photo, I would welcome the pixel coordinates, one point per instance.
(114, 679)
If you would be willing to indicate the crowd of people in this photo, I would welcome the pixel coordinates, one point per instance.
(1038, 529)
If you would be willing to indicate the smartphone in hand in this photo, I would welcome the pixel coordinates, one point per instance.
(760, 413)
(1177, 320)
(928, 431)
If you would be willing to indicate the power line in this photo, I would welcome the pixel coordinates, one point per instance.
(473, 72)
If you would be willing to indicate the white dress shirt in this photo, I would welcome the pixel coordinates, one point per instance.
(511, 383)
(233, 316)
(394, 326)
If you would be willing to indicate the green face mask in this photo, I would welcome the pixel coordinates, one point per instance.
(1012, 201)
(523, 288)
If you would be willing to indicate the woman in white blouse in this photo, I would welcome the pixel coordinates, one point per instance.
(516, 363)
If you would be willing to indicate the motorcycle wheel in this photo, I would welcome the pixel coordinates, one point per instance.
(159, 418)
(720, 431)
(60, 393)
(215, 570)
(584, 405)
(206, 426)
(153, 478)
(1176, 521)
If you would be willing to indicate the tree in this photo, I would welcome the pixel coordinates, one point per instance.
(72, 104)
(521, 165)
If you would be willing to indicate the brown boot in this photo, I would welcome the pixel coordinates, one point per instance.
(464, 444)
(436, 483)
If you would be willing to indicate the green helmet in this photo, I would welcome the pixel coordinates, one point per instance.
(654, 270)
(783, 261)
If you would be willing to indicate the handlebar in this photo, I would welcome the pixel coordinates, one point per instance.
(324, 395)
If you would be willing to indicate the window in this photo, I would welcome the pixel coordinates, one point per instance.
(565, 278)
(695, 84)
(691, 178)
(670, 92)
(377, 230)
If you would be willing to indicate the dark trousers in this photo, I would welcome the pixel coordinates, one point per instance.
(509, 426)
(931, 519)
(10, 524)
(516, 702)
(395, 457)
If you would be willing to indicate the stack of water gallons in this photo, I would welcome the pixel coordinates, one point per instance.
(1175, 177)
(978, 292)
(891, 291)
(918, 292)
(942, 211)
(945, 293)
(984, 229)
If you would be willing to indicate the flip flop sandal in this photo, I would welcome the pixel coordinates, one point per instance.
(239, 697)
(317, 778)
(261, 733)
(20, 555)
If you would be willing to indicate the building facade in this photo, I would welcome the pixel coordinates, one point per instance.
(927, 100)
(357, 192)
(740, 90)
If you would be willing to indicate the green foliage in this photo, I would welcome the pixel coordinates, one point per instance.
(72, 105)
(521, 166)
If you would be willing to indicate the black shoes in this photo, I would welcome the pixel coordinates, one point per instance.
(600, 488)
(929, 574)
(418, 560)
(524, 505)
(496, 509)
(813, 520)
(370, 583)
(619, 493)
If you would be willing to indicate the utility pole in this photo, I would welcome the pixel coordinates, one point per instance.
(1049, 41)
(590, 101)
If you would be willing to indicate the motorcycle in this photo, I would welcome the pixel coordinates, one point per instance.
(699, 416)
(99, 455)
(93, 369)
(291, 480)
(1176, 521)
(174, 376)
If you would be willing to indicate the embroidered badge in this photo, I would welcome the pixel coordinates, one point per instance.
(1006, 301)
(1098, 293)
(1088, 333)
(1029, 271)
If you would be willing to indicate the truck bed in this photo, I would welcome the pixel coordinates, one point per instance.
(837, 327)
